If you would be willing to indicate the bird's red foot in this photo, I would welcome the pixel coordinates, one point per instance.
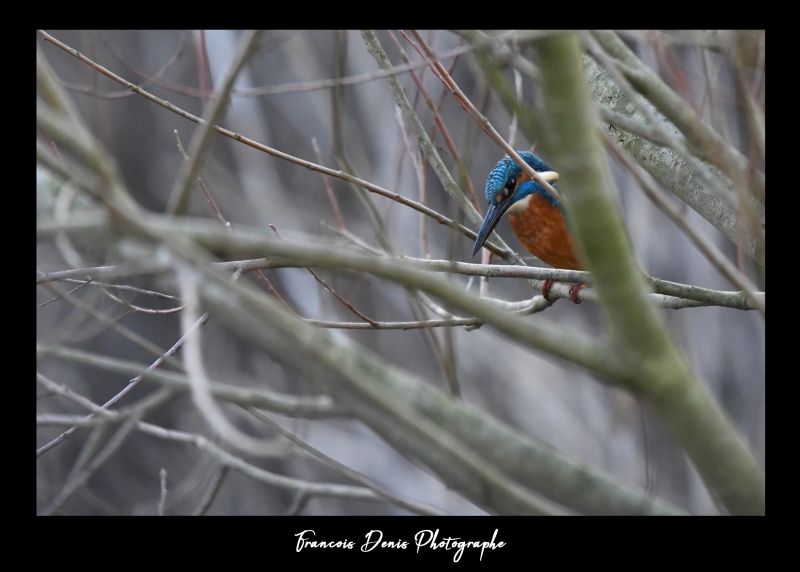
(574, 292)
(546, 289)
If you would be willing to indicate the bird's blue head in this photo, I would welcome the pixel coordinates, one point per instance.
(508, 184)
(503, 178)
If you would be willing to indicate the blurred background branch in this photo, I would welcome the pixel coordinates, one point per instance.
(495, 408)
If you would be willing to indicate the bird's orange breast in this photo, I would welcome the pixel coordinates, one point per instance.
(542, 230)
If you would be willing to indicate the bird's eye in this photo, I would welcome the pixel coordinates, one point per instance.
(511, 183)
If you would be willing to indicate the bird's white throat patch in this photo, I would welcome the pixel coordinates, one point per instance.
(520, 205)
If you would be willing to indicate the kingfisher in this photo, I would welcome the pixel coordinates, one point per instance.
(537, 217)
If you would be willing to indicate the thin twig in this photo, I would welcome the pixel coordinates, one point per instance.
(82, 284)
(70, 395)
(162, 501)
(203, 71)
(329, 188)
(121, 287)
(449, 323)
(227, 224)
(451, 146)
(149, 78)
(344, 302)
(209, 198)
(211, 491)
(139, 308)
(52, 145)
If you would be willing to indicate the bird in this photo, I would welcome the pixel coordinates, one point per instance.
(537, 217)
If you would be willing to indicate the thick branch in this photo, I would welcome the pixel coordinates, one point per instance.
(681, 399)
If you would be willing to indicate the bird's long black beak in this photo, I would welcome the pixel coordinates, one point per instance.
(494, 215)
